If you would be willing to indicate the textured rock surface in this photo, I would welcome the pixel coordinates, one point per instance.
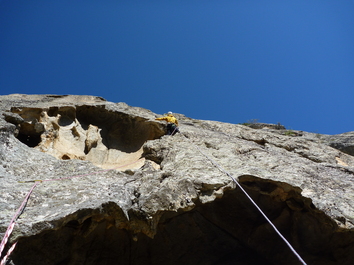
(343, 142)
(130, 195)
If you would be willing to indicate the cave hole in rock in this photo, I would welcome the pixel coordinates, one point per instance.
(67, 115)
(29, 132)
(29, 140)
(228, 230)
(107, 138)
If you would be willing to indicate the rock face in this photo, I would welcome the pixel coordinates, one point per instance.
(115, 190)
(343, 142)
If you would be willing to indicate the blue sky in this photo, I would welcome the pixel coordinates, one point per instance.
(233, 61)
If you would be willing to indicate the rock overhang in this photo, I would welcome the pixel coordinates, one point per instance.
(223, 231)
(185, 192)
(101, 133)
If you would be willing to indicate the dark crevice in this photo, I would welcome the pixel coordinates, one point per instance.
(261, 142)
(65, 157)
(262, 186)
(29, 140)
(152, 154)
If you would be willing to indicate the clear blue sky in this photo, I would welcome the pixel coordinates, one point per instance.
(276, 61)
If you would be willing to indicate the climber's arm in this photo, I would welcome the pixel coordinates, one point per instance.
(161, 119)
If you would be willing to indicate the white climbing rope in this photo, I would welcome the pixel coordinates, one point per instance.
(249, 197)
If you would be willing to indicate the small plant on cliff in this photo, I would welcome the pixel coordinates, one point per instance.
(289, 133)
(249, 122)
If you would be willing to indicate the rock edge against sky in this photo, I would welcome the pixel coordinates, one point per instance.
(164, 195)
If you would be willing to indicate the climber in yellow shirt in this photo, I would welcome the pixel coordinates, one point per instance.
(172, 123)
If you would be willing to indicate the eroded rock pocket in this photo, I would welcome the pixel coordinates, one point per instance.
(108, 139)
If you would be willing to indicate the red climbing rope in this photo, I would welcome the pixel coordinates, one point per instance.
(23, 205)
(12, 224)
(3, 261)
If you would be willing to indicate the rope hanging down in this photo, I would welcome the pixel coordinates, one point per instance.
(23, 206)
(12, 224)
(253, 202)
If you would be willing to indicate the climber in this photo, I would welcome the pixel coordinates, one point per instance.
(172, 123)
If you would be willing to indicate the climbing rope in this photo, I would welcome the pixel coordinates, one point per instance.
(21, 209)
(12, 225)
(3, 261)
(249, 197)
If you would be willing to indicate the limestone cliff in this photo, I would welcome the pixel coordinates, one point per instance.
(115, 190)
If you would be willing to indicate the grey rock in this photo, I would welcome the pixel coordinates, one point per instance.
(13, 118)
(115, 190)
(259, 125)
(343, 142)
